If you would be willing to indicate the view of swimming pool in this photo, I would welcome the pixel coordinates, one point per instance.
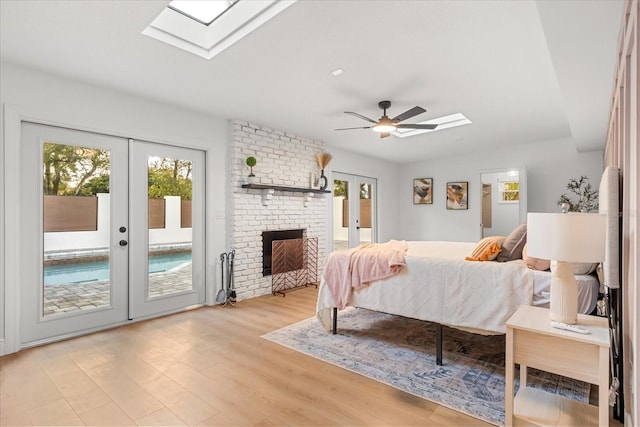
(99, 270)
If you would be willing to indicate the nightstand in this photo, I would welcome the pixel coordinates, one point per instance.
(532, 342)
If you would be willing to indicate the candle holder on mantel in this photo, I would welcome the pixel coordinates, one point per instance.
(323, 161)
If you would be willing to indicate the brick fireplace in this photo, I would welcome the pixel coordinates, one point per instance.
(283, 159)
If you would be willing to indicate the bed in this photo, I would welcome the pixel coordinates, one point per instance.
(438, 285)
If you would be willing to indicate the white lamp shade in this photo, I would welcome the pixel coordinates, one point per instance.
(571, 237)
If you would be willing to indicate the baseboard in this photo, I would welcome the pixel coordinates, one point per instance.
(2, 347)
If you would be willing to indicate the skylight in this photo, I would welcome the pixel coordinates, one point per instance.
(207, 27)
(445, 122)
(205, 12)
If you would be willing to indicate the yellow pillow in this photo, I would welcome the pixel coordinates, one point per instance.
(487, 249)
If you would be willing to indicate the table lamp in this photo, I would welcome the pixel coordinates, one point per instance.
(566, 238)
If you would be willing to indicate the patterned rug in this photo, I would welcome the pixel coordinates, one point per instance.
(401, 352)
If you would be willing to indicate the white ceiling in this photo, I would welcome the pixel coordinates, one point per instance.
(522, 71)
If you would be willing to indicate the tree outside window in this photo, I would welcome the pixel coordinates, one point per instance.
(510, 192)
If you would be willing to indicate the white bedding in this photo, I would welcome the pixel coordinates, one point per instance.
(438, 285)
(588, 289)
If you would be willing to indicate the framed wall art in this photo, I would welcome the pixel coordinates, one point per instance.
(457, 195)
(423, 191)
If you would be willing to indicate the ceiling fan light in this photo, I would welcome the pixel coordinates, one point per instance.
(383, 128)
(384, 125)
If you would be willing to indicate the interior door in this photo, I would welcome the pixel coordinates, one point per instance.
(354, 210)
(73, 213)
(167, 228)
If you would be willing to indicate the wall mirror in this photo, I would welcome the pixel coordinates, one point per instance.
(504, 201)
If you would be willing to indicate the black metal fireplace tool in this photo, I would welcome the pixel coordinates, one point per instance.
(227, 293)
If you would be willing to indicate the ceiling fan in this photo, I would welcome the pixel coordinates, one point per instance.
(385, 125)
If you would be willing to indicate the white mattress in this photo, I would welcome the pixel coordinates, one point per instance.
(438, 285)
(588, 288)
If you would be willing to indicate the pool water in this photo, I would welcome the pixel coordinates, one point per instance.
(99, 270)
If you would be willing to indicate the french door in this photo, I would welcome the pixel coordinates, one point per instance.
(151, 166)
(110, 231)
(354, 210)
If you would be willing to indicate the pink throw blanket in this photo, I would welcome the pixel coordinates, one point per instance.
(356, 268)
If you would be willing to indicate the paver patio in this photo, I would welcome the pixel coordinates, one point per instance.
(69, 297)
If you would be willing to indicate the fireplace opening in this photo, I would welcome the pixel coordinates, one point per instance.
(267, 238)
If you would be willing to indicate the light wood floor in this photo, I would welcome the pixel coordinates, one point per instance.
(204, 367)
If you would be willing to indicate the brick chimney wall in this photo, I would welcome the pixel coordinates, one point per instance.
(283, 159)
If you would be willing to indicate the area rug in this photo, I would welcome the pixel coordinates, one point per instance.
(400, 352)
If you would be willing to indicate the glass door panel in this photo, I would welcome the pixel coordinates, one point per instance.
(366, 213)
(340, 214)
(167, 247)
(77, 225)
(354, 211)
(170, 233)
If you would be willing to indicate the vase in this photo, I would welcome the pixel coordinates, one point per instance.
(323, 180)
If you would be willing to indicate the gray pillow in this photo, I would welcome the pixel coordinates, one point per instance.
(513, 244)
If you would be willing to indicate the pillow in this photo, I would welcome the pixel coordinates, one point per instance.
(487, 249)
(584, 267)
(513, 244)
(580, 267)
(535, 263)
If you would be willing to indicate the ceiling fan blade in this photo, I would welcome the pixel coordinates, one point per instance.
(408, 114)
(417, 126)
(361, 116)
(384, 134)
(365, 127)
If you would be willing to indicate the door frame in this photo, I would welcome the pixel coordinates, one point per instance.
(13, 116)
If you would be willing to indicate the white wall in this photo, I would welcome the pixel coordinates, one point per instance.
(56, 100)
(549, 166)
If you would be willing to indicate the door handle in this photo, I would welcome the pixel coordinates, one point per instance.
(123, 243)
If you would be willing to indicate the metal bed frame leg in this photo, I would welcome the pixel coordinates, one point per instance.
(334, 331)
(439, 344)
(334, 321)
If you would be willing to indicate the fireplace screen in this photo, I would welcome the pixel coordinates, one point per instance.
(295, 264)
(267, 239)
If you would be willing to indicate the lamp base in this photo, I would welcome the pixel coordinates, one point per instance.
(564, 294)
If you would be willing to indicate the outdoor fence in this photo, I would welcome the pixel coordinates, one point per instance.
(78, 222)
